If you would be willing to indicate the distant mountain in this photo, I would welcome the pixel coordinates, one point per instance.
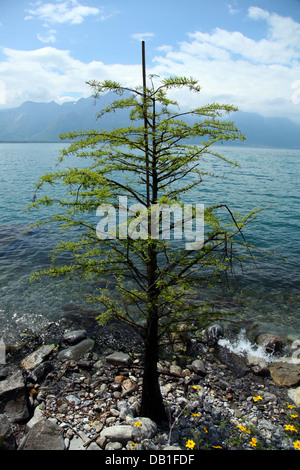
(273, 132)
(43, 122)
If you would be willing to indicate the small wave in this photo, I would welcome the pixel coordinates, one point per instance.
(243, 347)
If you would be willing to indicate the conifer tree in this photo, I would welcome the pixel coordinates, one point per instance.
(151, 164)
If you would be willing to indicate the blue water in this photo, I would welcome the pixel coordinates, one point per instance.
(268, 290)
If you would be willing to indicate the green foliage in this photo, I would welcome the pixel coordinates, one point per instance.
(115, 165)
(149, 162)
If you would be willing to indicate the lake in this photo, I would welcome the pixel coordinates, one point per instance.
(269, 291)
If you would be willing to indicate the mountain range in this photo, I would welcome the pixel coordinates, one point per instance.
(43, 122)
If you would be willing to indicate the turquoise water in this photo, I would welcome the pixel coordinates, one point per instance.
(269, 291)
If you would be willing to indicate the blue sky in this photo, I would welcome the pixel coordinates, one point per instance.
(242, 52)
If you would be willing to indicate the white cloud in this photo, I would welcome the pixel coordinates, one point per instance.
(50, 36)
(258, 13)
(231, 9)
(283, 31)
(256, 75)
(52, 74)
(64, 12)
(69, 11)
(142, 36)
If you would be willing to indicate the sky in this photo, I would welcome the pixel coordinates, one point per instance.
(242, 52)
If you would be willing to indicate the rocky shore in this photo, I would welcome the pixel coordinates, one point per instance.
(77, 387)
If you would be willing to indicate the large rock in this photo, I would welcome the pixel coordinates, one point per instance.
(36, 358)
(143, 428)
(119, 359)
(258, 365)
(7, 438)
(13, 397)
(118, 433)
(237, 364)
(137, 430)
(39, 373)
(78, 443)
(76, 351)
(285, 374)
(214, 333)
(198, 367)
(74, 337)
(44, 435)
(38, 415)
(272, 344)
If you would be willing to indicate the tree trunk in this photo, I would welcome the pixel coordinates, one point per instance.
(152, 402)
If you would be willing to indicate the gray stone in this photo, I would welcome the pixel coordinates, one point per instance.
(198, 367)
(258, 365)
(143, 428)
(214, 333)
(172, 447)
(44, 435)
(74, 337)
(39, 373)
(37, 416)
(118, 433)
(119, 359)
(76, 443)
(73, 399)
(269, 397)
(93, 446)
(7, 438)
(101, 442)
(76, 351)
(237, 364)
(114, 446)
(125, 409)
(175, 369)
(294, 394)
(13, 397)
(36, 358)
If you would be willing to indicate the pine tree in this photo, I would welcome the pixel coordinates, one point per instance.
(151, 164)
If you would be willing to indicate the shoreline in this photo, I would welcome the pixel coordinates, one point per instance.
(85, 390)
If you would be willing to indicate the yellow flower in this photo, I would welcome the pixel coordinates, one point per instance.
(291, 407)
(91, 423)
(243, 428)
(196, 415)
(196, 387)
(217, 447)
(294, 416)
(257, 398)
(138, 423)
(133, 444)
(190, 444)
(297, 445)
(253, 442)
(289, 427)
